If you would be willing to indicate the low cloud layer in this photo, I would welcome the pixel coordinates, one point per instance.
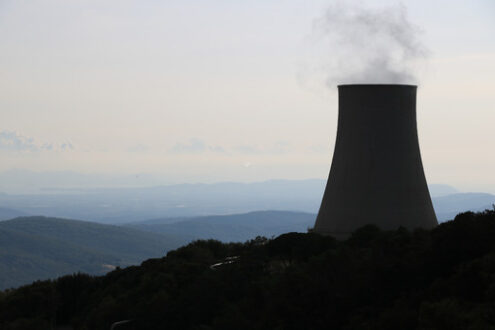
(198, 146)
(14, 141)
(194, 146)
(367, 45)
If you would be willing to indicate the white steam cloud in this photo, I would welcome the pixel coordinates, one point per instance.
(367, 45)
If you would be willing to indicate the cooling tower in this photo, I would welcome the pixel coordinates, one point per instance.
(376, 175)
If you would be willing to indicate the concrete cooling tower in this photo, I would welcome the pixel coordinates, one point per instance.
(376, 175)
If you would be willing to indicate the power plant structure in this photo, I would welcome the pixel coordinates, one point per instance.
(376, 175)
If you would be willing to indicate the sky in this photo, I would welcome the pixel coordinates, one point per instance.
(207, 91)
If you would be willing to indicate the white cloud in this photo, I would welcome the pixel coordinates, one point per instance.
(277, 148)
(195, 146)
(14, 141)
(247, 149)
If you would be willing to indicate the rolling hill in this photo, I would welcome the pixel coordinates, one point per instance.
(241, 227)
(230, 228)
(33, 248)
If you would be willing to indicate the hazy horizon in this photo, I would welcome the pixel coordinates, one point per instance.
(21, 181)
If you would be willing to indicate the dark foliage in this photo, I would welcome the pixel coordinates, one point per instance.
(438, 279)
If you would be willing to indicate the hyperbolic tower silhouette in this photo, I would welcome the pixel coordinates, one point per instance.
(376, 175)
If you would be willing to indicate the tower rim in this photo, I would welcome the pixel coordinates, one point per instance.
(377, 85)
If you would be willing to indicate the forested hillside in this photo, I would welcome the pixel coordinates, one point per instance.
(438, 279)
(34, 248)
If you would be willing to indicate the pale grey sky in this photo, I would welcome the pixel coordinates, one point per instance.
(215, 90)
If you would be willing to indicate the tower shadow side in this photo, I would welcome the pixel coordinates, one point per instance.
(376, 175)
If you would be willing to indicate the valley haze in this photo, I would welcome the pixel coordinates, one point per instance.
(130, 204)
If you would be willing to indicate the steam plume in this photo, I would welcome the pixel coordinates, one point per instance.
(364, 45)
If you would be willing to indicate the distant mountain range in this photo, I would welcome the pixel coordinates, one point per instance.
(124, 205)
(447, 207)
(120, 205)
(241, 227)
(34, 248)
(230, 228)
